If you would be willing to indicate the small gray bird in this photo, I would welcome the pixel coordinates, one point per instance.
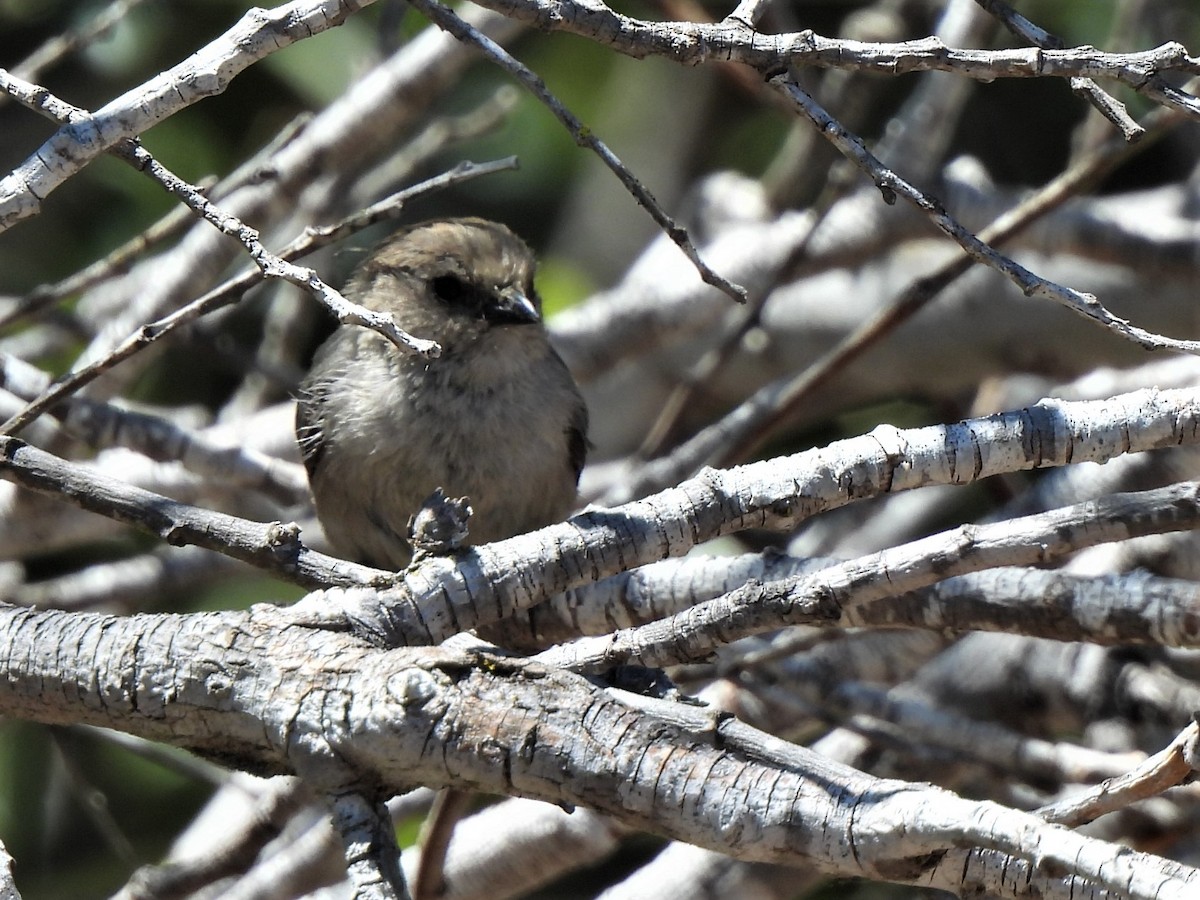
(497, 417)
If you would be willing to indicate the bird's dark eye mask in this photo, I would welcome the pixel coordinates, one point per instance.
(454, 290)
(458, 293)
(482, 302)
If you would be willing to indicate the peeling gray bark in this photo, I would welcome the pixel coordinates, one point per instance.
(259, 691)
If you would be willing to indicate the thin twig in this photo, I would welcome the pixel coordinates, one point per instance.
(696, 43)
(272, 265)
(233, 289)
(1169, 767)
(892, 185)
(120, 260)
(448, 809)
(447, 20)
(1107, 105)
(272, 546)
(1080, 177)
(390, 207)
(205, 73)
(738, 433)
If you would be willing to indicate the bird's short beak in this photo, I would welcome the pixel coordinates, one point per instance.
(513, 306)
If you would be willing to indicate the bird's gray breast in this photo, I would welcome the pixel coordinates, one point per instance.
(492, 428)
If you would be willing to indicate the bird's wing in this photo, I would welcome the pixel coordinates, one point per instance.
(310, 427)
(577, 442)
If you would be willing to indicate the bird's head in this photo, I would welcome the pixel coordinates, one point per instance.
(452, 280)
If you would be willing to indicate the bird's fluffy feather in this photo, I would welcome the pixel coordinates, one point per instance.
(497, 417)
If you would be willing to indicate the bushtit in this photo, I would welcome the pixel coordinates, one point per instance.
(497, 417)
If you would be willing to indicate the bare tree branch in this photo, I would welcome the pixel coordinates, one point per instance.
(693, 43)
(206, 73)
(275, 546)
(446, 19)
(562, 753)
(824, 597)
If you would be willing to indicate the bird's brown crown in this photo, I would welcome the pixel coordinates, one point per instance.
(449, 254)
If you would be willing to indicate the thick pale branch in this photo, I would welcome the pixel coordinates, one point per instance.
(431, 716)
(480, 585)
(824, 597)
(1118, 609)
